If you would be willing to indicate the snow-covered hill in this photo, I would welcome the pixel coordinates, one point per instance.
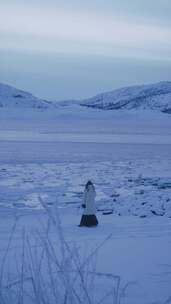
(144, 97)
(149, 97)
(11, 97)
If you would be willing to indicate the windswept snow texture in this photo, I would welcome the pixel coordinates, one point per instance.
(149, 97)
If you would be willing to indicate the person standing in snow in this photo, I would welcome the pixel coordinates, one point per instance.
(89, 214)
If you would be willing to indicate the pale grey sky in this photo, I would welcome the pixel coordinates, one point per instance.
(75, 48)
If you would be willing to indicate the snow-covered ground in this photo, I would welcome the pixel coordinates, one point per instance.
(136, 250)
(127, 154)
(133, 183)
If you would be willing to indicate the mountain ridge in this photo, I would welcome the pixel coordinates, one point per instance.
(156, 96)
(11, 97)
(153, 96)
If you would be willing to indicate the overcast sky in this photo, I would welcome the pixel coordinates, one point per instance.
(75, 48)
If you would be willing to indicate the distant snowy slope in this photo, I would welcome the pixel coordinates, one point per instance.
(11, 97)
(150, 97)
(143, 97)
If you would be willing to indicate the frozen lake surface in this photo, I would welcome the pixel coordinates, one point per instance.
(132, 181)
(130, 178)
(132, 175)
